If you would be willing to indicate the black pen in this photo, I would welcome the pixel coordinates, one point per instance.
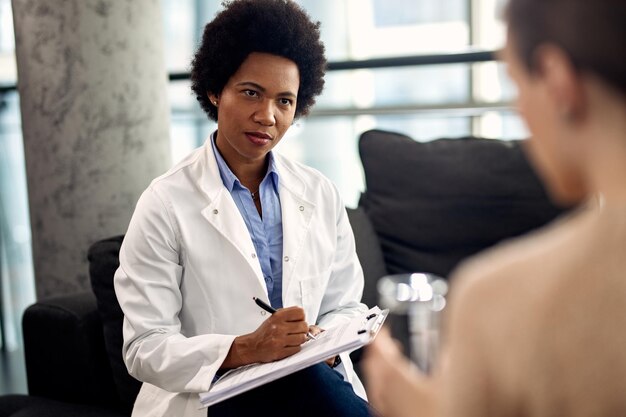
(272, 310)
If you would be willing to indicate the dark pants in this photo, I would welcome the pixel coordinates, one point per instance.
(315, 391)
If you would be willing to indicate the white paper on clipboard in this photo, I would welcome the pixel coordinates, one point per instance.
(347, 337)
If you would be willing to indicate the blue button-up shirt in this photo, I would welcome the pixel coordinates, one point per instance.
(267, 231)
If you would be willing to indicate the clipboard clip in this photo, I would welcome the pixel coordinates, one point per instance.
(379, 322)
(380, 319)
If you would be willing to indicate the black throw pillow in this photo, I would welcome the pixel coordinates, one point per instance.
(434, 204)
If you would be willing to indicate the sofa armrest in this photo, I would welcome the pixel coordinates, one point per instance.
(65, 353)
(369, 253)
(371, 258)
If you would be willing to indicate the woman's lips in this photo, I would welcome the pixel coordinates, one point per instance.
(258, 139)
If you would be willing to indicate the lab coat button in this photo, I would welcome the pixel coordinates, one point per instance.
(262, 312)
(286, 258)
(254, 256)
(301, 208)
(215, 211)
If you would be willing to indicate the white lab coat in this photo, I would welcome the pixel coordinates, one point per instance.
(188, 272)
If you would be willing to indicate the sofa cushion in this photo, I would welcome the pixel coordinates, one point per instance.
(433, 204)
(103, 262)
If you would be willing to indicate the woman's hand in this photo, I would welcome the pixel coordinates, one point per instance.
(394, 386)
(279, 336)
(315, 330)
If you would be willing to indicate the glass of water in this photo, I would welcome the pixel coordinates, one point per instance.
(415, 302)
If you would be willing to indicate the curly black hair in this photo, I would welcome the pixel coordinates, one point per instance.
(277, 27)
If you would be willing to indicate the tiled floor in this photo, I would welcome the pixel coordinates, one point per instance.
(12, 373)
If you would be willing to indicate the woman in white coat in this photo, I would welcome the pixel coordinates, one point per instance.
(234, 221)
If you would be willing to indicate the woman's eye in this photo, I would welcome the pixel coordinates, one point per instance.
(285, 101)
(250, 93)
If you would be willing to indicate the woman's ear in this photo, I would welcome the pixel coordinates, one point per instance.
(214, 98)
(562, 80)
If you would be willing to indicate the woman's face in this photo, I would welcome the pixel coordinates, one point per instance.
(255, 108)
(549, 147)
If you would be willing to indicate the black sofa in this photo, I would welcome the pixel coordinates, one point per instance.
(427, 207)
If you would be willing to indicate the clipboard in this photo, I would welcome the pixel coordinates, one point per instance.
(346, 337)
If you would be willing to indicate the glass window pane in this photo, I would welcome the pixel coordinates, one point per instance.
(328, 144)
(183, 23)
(422, 85)
(411, 12)
(8, 69)
(427, 127)
(492, 83)
(16, 268)
(503, 125)
(435, 84)
(488, 28)
(178, 33)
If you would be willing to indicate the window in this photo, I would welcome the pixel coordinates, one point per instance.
(425, 102)
(16, 268)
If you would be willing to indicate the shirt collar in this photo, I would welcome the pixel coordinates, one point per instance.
(230, 179)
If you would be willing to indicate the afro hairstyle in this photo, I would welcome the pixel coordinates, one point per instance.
(277, 27)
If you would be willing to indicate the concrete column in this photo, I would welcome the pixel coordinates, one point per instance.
(92, 84)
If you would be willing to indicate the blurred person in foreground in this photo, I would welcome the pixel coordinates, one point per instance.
(536, 325)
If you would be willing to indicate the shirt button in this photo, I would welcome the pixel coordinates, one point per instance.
(253, 255)
(301, 208)
(215, 211)
(286, 258)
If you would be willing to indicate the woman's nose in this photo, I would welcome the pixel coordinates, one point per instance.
(264, 113)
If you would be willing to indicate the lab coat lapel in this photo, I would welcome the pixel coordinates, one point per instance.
(297, 213)
(222, 213)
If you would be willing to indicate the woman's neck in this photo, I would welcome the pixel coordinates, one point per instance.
(606, 159)
(249, 172)
(605, 138)
(250, 175)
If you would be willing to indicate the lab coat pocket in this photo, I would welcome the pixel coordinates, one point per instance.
(312, 291)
